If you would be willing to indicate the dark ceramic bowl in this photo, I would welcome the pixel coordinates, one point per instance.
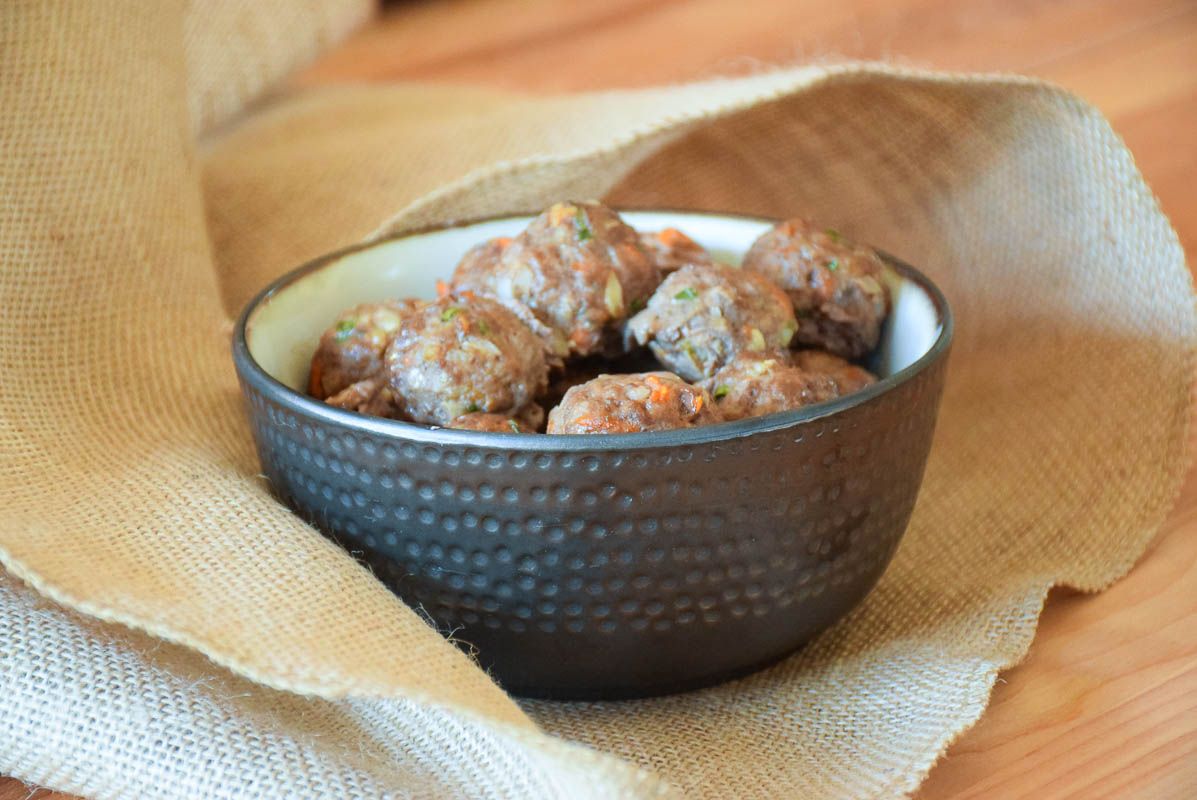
(600, 566)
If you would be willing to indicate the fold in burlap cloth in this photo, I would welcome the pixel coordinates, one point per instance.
(134, 508)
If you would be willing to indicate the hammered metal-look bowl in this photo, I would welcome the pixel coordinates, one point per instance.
(600, 566)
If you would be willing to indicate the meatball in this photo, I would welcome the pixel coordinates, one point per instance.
(753, 385)
(574, 373)
(580, 370)
(492, 423)
(459, 355)
(847, 376)
(372, 395)
(702, 315)
(351, 350)
(477, 262)
(530, 419)
(646, 401)
(836, 286)
(471, 278)
(578, 268)
(671, 250)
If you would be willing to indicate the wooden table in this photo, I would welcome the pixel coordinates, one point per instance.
(1106, 703)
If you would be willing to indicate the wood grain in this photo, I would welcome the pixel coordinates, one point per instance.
(1106, 703)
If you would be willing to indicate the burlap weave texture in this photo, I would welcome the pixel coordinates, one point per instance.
(132, 494)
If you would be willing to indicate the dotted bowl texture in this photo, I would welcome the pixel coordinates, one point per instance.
(615, 566)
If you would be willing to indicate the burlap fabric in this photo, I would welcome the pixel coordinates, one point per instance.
(167, 629)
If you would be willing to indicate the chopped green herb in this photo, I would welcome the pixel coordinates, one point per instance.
(345, 328)
(636, 305)
(787, 333)
(515, 428)
(450, 313)
(756, 339)
(483, 328)
(804, 313)
(722, 391)
(686, 294)
(835, 236)
(472, 407)
(833, 265)
(583, 226)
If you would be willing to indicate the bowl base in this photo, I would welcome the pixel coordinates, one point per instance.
(641, 691)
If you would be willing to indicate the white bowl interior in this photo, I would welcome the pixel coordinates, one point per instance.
(282, 332)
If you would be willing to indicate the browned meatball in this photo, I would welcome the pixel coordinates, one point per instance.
(472, 277)
(531, 416)
(492, 423)
(477, 262)
(703, 314)
(459, 355)
(671, 250)
(646, 401)
(836, 286)
(574, 373)
(351, 350)
(579, 370)
(578, 267)
(753, 385)
(847, 376)
(372, 395)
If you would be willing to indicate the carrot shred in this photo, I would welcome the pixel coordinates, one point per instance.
(442, 288)
(315, 386)
(503, 241)
(671, 236)
(660, 391)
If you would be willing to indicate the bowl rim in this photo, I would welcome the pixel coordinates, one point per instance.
(252, 373)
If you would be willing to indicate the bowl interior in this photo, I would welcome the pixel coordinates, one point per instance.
(282, 331)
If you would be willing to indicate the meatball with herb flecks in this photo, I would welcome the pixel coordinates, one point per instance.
(472, 276)
(648, 401)
(458, 356)
(351, 350)
(580, 370)
(579, 269)
(491, 423)
(477, 262)
(701, 316)
(671, 250)
(836, 286)
(847, 376)
(372, 395)
(753, 385)
(531, 416)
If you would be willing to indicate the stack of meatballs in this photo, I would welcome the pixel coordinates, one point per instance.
(613, 331)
